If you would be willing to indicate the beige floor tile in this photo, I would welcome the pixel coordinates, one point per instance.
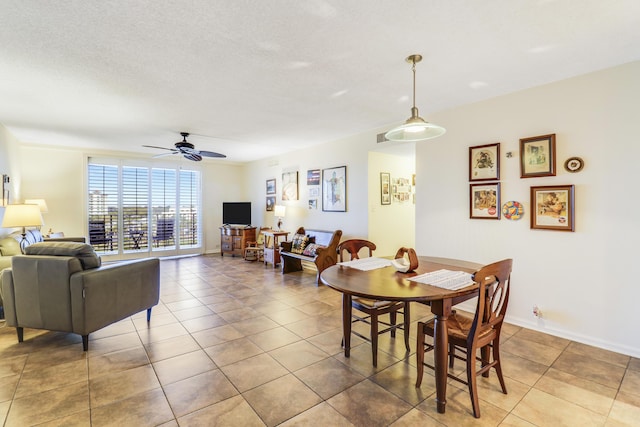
(599, 354)
(197, 392)
(604, 373)
(631, 382)
(366, 403)
(274, 338)
(171, 347)
(233, 351)
(625, 414)
(298, 355)
(320, 415)
(218, 335)
(149, 408)
(52, 377)
(228, 413)
(328, 377)
(531, 350)
(252, 372)
(585, 393)
(183, 366)
(281, 399)
(51, 404)
(117, 361)
(544, 409)
(109, 388)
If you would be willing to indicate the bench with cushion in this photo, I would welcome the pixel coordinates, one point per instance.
(315, 246)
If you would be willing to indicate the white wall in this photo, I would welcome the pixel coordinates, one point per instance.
(585, 282)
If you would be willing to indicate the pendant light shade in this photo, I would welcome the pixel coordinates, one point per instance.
(415, 128)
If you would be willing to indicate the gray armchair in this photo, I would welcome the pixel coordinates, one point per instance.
(61, 286)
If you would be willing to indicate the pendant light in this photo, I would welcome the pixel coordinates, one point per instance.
(415, 128)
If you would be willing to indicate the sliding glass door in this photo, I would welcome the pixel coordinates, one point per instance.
(137, 210)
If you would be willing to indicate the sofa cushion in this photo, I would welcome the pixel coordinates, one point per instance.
(298, 243)
(84, 252)
(311, 249)
(9, 247)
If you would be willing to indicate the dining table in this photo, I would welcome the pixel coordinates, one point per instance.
(385, 283)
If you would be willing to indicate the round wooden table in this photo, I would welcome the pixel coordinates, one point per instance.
(389, 285)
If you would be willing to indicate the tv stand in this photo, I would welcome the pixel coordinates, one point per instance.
(234, 238)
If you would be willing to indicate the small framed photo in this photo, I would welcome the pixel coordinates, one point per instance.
(334, 189)
(484, 162)
(313, 177)
(271, 186)
(484, 201)
(271, 202)
(385, 188)
(553, 207)
(538, 156)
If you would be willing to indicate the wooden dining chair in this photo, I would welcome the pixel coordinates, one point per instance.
(254, 250)
(480, 333)
(373, 309)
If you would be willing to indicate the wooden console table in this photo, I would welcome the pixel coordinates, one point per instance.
(272, 246)
(234, 239)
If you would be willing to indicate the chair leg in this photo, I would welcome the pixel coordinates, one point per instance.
(484, 357)
(498, 365)
(148, 314)
(452, 355)
(472, 381)
(20, 332)
(85, 342)
(374, 337)
(420, 353)
(393, 318)
(407, 325)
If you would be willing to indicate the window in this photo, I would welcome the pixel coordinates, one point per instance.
(142, 209)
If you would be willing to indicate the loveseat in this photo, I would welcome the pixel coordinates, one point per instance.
(315, 246)
(62, 286)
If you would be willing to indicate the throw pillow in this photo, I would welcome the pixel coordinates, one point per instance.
(84, 252)
(298, 243)
(311, 249)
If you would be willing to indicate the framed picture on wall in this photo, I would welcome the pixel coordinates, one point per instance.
(484, 162)
(334, 189)
(271, 186)
(385, 188)
(313, 177)
(553, 208)
(290, 185)
(484, 201)
(271, 202)
(538, 156)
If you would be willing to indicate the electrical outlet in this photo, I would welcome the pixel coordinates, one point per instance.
(536, 311)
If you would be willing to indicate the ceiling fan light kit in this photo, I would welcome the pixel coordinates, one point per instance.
(415, 128)
(187, 150)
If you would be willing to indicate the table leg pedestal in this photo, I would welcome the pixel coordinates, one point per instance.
(346, 324)
(440, 357)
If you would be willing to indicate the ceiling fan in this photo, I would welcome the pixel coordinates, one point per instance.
(187, 149)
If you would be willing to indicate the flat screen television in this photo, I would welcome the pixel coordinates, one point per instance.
(236, 213)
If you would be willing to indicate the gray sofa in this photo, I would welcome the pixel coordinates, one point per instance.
(61, 286)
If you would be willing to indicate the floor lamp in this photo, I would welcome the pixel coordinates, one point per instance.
(22, 216)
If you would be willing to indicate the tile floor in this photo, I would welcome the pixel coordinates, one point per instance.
(236, 343)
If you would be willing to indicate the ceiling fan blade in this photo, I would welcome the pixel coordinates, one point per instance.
(192, 156)
(164, 154)
(211, 154)
(162, 148)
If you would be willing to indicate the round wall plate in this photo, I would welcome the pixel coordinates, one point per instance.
(574, 164)
(512, 210)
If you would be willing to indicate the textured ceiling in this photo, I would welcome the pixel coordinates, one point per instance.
(264, 77)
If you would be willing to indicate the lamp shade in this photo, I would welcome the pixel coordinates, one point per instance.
(415, 130)
(279, 211)
(40, 202)
(22, 216)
